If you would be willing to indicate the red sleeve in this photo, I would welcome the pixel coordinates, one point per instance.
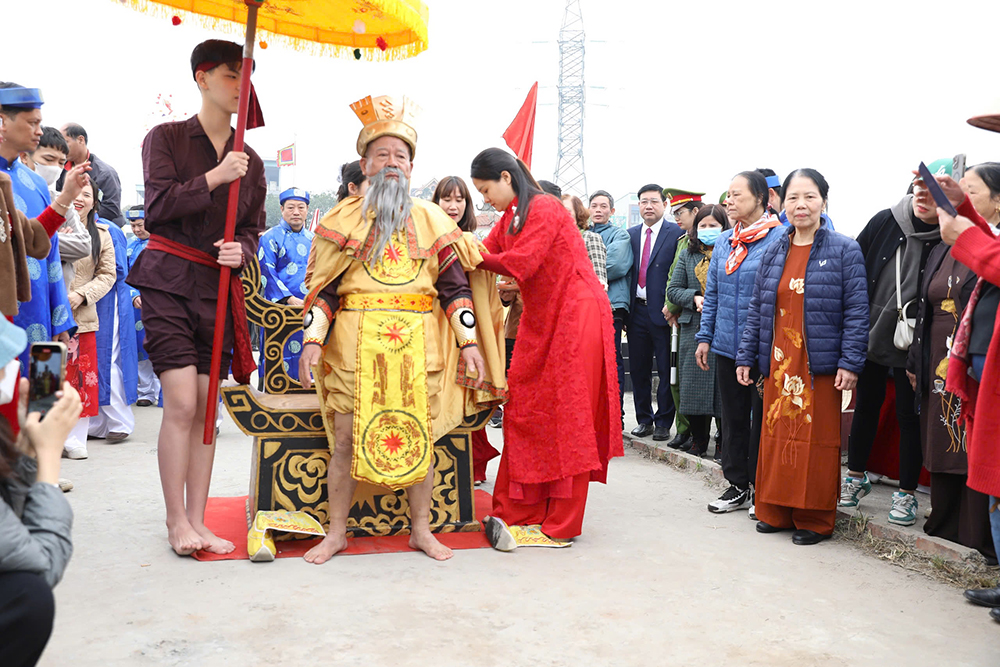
(980, 251)
(532, 245)
(50, 221)
(495, 264)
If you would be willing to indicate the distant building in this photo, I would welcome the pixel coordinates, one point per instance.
(425, 191)
(271, 171)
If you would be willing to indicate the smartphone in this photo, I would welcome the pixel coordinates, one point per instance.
(46, 375)
(936, 192)
(958, 167)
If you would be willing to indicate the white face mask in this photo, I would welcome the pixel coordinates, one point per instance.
(11, 373)
(49, 172)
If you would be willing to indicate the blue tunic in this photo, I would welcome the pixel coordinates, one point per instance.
(118, 298)
(135, 248)
(48, 314)
(283, 256)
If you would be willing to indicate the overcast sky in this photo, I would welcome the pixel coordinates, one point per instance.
(685, 94)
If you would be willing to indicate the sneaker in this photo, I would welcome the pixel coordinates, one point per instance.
(75, 453)
(496, 420)
(752, 513)
(733, 498)
(904, 509)
(854, 489)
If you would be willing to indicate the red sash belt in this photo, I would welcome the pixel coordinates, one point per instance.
(243, 363)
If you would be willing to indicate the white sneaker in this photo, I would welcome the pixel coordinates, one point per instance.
(731, 499)
(904, 509)
(76, 453)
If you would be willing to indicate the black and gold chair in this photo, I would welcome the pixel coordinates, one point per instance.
(291, 453)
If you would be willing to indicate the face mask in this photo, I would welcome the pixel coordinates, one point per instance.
(709, 236)
(49, 172)
(11, 373)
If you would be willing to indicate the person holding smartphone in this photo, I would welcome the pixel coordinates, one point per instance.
(35, 519)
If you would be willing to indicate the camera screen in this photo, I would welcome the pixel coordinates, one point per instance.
(45, 377)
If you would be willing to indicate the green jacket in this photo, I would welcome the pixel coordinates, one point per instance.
(682, 243)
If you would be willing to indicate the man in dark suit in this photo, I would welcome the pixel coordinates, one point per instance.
(653, 247)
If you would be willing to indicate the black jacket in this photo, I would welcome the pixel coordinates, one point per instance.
(879, 240)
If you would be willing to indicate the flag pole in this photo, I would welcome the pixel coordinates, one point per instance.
(225, 273)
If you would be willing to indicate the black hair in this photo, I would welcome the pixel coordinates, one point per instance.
(650, 188)
(53, 138)
(491, 163)
(990, 173)
(717, 211)
(812, 175)
(350, 173)
(9, 110)
(765, 172)
(218, 51)
(75, 131)
(603, 193)
(758, 187)
(91, 223)
(551, 188)
(446, 187)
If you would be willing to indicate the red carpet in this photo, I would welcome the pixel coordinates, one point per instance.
(226, 517)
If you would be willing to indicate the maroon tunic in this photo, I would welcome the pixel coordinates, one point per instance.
(179, 297)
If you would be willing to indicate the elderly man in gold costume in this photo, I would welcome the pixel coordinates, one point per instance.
(391, 331)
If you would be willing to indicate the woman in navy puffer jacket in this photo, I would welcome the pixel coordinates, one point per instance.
(728, 288)
(807, 334)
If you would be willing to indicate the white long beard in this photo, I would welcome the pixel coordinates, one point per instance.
(389, 199)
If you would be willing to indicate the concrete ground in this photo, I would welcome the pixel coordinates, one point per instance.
(654, 580)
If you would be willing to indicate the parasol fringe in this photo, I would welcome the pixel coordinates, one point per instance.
(417, 39)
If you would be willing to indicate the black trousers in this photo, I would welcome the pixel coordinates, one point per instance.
(868, 407)
(742, 416)
(646, 341)
(700, 428)
(620, 315)
(27, 609)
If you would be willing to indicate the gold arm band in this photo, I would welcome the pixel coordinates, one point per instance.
(317, 328)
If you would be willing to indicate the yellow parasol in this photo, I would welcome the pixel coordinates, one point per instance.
(373, 29)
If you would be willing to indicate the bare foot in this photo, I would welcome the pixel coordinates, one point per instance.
(212, 543)
(184, 539)
(332, 544)
(426, 542)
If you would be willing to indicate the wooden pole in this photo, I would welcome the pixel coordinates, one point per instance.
(225, 272)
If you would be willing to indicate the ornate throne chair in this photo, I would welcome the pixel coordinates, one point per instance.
(290, 450)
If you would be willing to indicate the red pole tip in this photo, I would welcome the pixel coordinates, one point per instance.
(176, 20)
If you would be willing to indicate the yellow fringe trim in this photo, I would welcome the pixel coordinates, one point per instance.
(410, 41)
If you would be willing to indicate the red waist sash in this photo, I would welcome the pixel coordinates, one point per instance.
(243, 363)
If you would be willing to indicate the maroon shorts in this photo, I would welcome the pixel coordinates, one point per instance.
(179, 329)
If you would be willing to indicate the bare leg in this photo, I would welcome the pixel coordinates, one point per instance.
(199, 476)
(179, 407)
(421, 537)
(340, 486)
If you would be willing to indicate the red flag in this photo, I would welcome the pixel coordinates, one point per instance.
(286, 156)
(520, 136)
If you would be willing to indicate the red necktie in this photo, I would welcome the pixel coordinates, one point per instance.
(644, 264)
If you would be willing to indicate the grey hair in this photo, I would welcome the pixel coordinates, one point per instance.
(389, 200)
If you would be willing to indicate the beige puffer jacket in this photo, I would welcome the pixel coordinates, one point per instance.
(92, 282)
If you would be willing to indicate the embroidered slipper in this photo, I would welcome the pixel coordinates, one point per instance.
(532, 536)
(499, 534)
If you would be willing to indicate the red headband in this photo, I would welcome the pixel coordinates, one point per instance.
(255, 117)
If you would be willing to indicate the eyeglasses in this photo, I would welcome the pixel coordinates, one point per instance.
(649, 202)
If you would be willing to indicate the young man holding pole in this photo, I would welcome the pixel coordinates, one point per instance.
(188, 168)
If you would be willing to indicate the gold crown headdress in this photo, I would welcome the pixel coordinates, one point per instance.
(383, 116)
